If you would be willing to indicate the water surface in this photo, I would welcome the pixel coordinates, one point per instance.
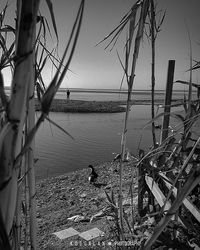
(97, 136)
(96, 139)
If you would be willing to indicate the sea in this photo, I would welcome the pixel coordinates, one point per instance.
(97, 136)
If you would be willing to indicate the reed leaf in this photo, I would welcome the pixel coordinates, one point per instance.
(56, 81)
(188, 83)
(50, 6)
(174, 115)
(59, 127)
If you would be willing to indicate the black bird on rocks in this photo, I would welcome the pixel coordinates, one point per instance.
(93, 175)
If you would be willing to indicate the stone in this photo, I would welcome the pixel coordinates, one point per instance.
(66, 233)
(83, 195)
(91, 234)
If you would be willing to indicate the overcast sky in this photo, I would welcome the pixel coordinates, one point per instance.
(94, 67)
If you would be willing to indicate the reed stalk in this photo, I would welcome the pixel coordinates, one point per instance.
(139, 35)
(154, 29)
(129, 72)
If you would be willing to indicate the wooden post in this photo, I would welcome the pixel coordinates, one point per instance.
(141, 183)
(168, 98)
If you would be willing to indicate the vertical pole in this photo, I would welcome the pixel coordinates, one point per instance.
(141, 182)
(168, 99)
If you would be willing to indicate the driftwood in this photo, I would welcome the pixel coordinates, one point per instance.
(188, 204)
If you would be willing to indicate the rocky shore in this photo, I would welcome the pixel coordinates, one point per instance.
(71, 195)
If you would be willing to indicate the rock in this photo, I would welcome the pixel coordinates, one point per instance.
(109, 218)
(83, 195)
(72, 203)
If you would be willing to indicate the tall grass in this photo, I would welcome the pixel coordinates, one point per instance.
(167, 156)
(135, 30)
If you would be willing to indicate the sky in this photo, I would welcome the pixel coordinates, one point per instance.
(94, 67)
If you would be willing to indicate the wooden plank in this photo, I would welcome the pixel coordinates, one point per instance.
(153, 186)
(193, 210)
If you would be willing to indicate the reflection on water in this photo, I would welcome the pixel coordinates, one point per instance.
(96, 138)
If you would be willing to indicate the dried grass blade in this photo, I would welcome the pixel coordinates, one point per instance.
(188, 83)
(50, 54)
(125, 21)
(116, 36)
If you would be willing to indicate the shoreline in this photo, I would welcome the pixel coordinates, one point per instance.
(62, 197)
(81, 106)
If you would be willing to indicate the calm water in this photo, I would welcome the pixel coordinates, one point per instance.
(96, 137)
(93, 95)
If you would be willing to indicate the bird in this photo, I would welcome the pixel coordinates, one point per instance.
(93, 175)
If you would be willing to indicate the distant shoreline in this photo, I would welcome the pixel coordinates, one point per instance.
(119, 91)
(81, 106)
(115, 91)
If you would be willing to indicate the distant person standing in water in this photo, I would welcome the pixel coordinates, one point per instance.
(68, 94)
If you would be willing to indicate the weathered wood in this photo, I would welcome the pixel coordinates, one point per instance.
(168, 99)
(193, 210)
(192, 181)
(159, 196)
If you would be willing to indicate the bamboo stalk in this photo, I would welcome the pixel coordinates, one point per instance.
(30, 152)
(11, 140)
